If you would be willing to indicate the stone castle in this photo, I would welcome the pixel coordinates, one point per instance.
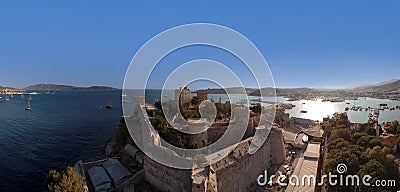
(238, 171)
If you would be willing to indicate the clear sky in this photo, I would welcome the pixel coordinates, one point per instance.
(306, 43)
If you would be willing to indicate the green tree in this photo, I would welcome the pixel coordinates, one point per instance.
(194, 145)
(158, 105)
(362, 152)
(327, 127)
(122, 137)
(187, 114)
(357, 136)
(151, 113)
(68, 181)
(181, 142)
(196, 101)
(256, 108)
(376, 170)
(161, 125)
(339, 133)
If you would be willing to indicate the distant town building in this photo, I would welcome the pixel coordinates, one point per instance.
(202, 95)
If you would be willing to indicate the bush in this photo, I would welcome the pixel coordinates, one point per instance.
(68, 181)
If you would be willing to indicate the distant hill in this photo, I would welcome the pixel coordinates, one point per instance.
(358, 85)
(66, 87)
(8, 88)
(236, 90)
(389, 86)
(387, 82)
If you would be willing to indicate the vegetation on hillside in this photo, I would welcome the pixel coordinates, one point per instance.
(361, 151)
(67, 181)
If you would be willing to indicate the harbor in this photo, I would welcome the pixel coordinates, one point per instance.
(359, 110)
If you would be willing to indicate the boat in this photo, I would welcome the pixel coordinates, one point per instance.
(30, 97)
(242, 102)
(28, 108)
(109, 106)
(303, 111)
(7, 99)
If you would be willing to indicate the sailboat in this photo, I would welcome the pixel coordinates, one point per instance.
(7, 99)
(28, 108)
(125, 98)
(109, 105)
(30, 97)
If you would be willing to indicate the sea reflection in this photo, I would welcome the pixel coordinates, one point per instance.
(317, 109)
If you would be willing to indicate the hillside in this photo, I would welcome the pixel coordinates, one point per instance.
(66, 87)
(3, 89)
(383, 88)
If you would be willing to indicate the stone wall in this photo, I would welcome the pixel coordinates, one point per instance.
(236, 172)
(244, 171)
(167, 178)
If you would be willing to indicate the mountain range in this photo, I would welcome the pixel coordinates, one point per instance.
(66, 87)
(367, 85)
(387, 89)
(382, 87)
(388, 86)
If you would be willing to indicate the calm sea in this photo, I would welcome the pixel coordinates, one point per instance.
(60, 130)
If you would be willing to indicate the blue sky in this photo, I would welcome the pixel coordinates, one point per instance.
(306, 43)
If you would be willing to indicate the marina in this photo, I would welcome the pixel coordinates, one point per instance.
(358, 113)
(315, 108)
